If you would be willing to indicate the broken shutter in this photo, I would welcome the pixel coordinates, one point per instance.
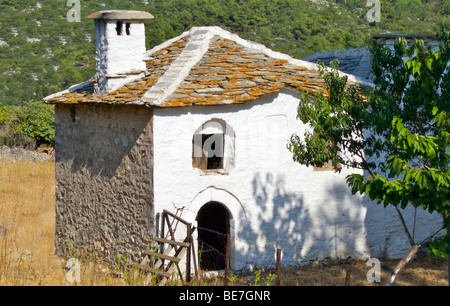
(198, 156)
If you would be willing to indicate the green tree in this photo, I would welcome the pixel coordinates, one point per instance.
(31, 125)
(398, 133)
(406, 8)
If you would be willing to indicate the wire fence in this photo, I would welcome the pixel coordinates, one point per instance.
(212, 245)
(213, 249)
(253, 252)
(212, 254)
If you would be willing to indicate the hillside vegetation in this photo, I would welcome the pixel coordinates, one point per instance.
(41, 52)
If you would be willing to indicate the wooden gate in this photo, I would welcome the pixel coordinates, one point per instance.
(164, 254)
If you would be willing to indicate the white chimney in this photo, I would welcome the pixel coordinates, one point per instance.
(120, 48)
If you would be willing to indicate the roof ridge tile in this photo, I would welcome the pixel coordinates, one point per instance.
(196, 47)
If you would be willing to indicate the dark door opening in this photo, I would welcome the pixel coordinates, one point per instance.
(213, 221)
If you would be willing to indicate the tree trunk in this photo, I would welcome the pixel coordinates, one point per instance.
(448, 260)
(448, 269)
(402, 263)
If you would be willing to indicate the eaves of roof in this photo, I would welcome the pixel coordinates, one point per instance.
(206, 66)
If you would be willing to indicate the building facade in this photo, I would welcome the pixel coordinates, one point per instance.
(202, 132)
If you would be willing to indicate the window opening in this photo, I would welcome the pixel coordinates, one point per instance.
(119, 27)
(73, 114)
(208, 156)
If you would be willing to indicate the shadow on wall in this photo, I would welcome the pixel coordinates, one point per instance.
(104, 166)
(328, 225)
(100, 139)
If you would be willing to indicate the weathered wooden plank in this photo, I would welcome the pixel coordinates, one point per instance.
(175, 217)
(159, 261)
(172, 242)
(172, 266)
(155, 271)
(161, 273)
(163, 256)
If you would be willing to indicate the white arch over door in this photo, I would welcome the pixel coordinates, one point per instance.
(214, 194)
(227, 199)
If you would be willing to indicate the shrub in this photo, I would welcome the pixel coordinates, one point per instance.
(30, 125)
(3, 114)
(37, 122)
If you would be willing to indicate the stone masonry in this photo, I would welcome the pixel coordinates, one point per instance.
(104, 194)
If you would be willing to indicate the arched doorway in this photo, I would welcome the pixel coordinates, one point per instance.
(213, 221)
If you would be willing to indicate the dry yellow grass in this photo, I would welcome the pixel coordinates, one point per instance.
(422, 271)
(27, 252)
(27, 212)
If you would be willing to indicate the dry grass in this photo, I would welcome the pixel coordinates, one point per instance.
(27, 212)
(422, 271)
(27, 252)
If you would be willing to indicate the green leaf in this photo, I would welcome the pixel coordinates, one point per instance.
(429, 63)
(431, 153)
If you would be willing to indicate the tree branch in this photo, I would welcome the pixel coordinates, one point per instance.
(410, 239)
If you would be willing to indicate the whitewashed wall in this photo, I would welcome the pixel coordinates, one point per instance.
(119, 58)
(274, 202)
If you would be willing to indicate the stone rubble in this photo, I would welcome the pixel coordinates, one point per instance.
(19, 154)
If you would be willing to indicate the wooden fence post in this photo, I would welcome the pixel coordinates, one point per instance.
(278, 267)
(194, 258)
(157, 224)
(227, 260)
(188, 254)
(347, 277)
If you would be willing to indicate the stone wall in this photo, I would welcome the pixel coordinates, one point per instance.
(104, 180)
(19, 154)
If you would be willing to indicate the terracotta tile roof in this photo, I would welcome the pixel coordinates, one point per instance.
(206, 66)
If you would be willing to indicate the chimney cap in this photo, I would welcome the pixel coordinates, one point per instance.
(121, 15)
